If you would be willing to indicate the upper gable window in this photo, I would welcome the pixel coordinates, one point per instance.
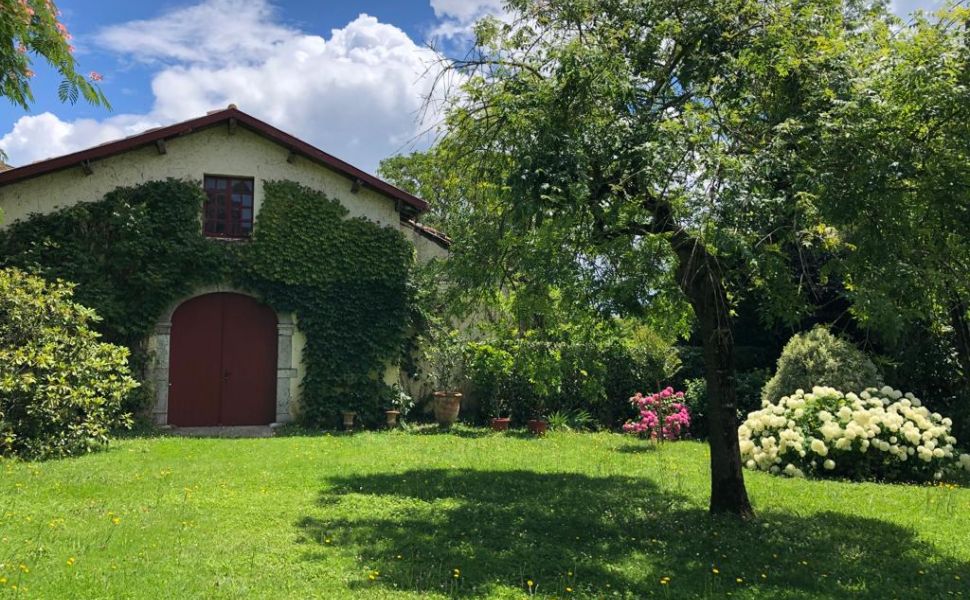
(228, 207)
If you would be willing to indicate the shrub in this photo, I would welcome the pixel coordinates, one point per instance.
(570, 420)
(662, 416)
(819, 358)
(61, 389)
(527, 377)
(878, 434)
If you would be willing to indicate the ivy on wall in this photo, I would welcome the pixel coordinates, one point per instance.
(138, 250)
(131, 254)
(346, 280)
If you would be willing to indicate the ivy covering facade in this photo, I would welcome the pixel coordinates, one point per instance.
(140, 249)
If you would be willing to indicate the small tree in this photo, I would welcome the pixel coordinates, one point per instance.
(60, 388)
(818, 358)
(32, 28)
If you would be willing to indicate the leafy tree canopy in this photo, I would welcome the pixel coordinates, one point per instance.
(678, 153)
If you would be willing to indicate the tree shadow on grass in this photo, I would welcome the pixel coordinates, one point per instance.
(600, 535)
(632, 448)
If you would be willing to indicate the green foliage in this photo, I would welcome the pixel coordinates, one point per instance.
(894, 152)
(748, 384)
(132, 254)
(61, 389)
(347, 281)
(818, 358)
(443, 355)
(140, 249)
(565, 372)
(570, 420)
(29, 29)
(924, 361)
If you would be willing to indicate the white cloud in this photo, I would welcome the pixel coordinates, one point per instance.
(904, 8)
(214, 32)
(465, 10)
(35, 137)
(357, 95)
(456, 17)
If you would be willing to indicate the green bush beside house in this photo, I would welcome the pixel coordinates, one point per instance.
(61, 387)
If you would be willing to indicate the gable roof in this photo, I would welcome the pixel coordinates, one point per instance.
(231, 116)
(429, 232)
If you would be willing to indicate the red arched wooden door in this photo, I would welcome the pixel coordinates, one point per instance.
(223, 362)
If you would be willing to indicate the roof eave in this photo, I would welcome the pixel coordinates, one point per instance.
(408, 203)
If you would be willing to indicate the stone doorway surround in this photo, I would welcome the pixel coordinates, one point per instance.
(160, 346)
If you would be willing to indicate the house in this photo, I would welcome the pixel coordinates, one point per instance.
(219, 356)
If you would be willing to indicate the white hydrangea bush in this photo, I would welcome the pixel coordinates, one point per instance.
(877, 434)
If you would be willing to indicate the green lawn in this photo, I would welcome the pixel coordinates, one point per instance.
(462, 514)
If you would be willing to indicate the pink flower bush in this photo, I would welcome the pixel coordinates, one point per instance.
(663, 415)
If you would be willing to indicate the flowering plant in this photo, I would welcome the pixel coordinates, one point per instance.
(880, 434)
(663, 415)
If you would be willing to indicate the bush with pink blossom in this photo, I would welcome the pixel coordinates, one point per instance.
(662, 416)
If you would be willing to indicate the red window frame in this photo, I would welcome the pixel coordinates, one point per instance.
(228, 210)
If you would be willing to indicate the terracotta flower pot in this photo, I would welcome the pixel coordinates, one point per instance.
(501, 423)
(446, 407)
(538, 426)
(348, 416)
(392, 416)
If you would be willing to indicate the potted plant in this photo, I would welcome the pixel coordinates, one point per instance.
(444, 357)
(538, 423)
(500, 423)
(349, 417)
(401, 404)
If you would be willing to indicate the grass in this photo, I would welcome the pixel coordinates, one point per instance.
(463, 514)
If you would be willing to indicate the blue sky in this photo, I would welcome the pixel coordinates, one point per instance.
(348, 77)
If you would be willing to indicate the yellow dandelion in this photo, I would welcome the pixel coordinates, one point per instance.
(569, 573)
(3, 580)
(739, 580)
(327, 541)
(715, 571)
(70, 562)
(529, 583)
(569, 590)
(764, 576)
(116, 520)
(24, 568)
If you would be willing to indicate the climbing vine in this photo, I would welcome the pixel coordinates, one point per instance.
(346, 280)
(131, 254)
(139, 249)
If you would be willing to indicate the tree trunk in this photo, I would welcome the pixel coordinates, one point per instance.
(700, 278)
(961, 330)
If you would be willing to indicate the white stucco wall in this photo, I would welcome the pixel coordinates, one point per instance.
(425, 249)
(212, 151)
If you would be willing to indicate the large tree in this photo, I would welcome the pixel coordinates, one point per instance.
(892, 163)
(647, 148)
